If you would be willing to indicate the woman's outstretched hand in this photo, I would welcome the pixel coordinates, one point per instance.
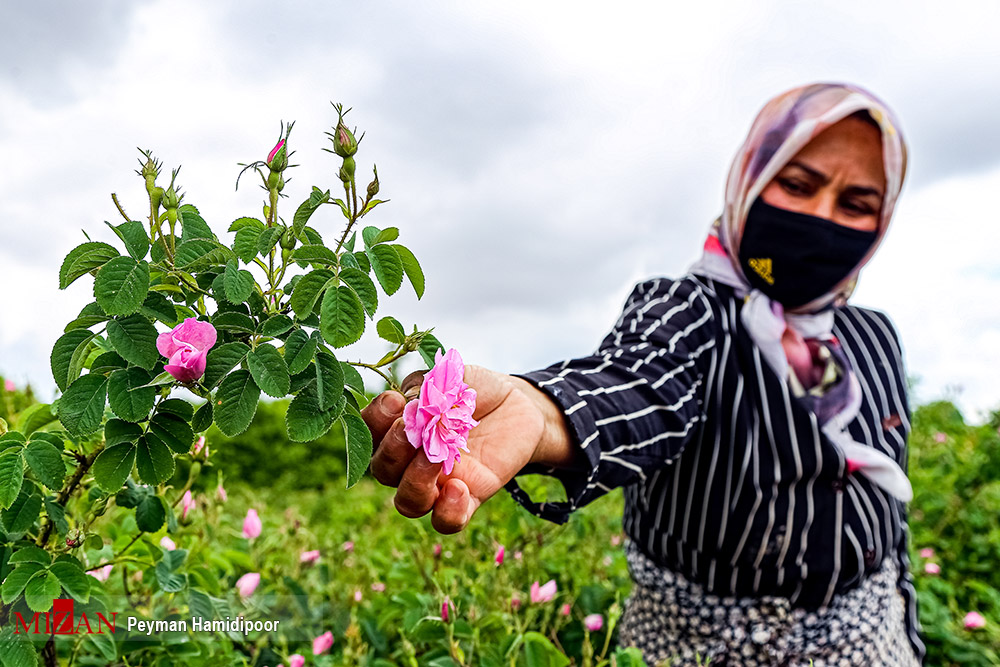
(513, 416)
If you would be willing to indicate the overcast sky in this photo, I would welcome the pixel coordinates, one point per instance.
(541, 157)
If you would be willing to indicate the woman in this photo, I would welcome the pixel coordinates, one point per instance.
(757, 422)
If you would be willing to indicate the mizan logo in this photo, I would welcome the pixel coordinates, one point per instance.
(60, 621)
(762, 265)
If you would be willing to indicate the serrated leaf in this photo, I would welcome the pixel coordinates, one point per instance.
(349, 261)
(35, 417)
(23, 512)
(352, 378)
(150, 513)
(46, 462)
(83, 259)
(269, 371)
(121, 285)
(299, 351)
(233, 322)
(11, 476)
(112, 466)
(428, 348)
(350, 242)
(193, 226)
(342, 317)
(238, 283)
(18, 578)
(128, 396)
(172, 431)
(368, 235)
(73, 579)
(158, 307)
(41, 590)
(169, 581)
(363, 287)
(223, 359)
(388, 267)
(133, 235)
(391, 330)
(236, 402)
(305, 420)
(202, 420)
(268, 239)
(387, 234)
(305, 211)
(361, 259)
(316, 254)
(275, 326)
(56, 514)
(245, 244)
(68, 356)
(198, 254)
(359, 445)
(134, 337)
(16, 650)
(31, 554)
(412, 268)
(107, 363)
(308, 290)
(82, 406)
(246, 223)
(329, 379)
(372, 204)
(117, 431)
(153, 460)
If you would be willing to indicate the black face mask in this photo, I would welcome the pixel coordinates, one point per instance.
(794, 258)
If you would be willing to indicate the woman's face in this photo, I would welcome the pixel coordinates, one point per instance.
(838, 175)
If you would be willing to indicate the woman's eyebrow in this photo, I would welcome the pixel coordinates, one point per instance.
(859, 190)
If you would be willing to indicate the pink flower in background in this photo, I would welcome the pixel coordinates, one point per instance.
(167, 543)
(932, 568)
(499, 557)
(323, 643)
(378, 587)
(248, 583)
(593, 622)
(444, 609)
(296, 660)
(220, 493)
(274, 151)
(186, 348)
(616, 540)
(251, 525)
(9, 386)
(517, 555)
(441, 418)
(309, 556)
(348, 546)
(357, 595)
(927, 552)
(940, 437)
(515, 603)
(101, 573)
(543, 593)
(187, 504)
(198, 445)
(437, 550)
(565, 609)
(974, 620)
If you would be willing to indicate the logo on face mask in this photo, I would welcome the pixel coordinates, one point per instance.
(763, 268)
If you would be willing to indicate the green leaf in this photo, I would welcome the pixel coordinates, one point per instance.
(238, 283)
(540, 652)
(31, 554)
(359, 445)
(35, 417)
(233, 322)
(21, 514)
(391, 330)
(412, 268)
(299, 351)
(117, 431)
(329, 379)
(236, 402)
(349, 261)
(202, 420)
(83, 259)
(268, 239)
(199, 254)
(82, 406)
(429, 345)
(17, 650)
(372, 204)
(153, 460)
(317, 254)
(192, 224)
(223, 359)
(305, 211)
(350, 242)
(200, 604)
(11, 476)
(56, 514)
(308, 290)
(363, 287)
(269, 371)
(275, 326)
(121, 285)
(107, 363)
(73, 579)
(368, 235)
(388, 267)
(112, 466)
(352, 378)
(361, 259)
(41, 590)
(68, 355)
(170, 581)
(305, 420)
(158, 307)
(105, 645)
(134, 337)
(18, 578)
(150, 513)
(245, 245)
(133, 235)
(46, 462)
(246, 223)
(130, 399)
(342, 317)
(171, 430)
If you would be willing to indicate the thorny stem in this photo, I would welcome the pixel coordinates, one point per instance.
(64, 495)
(387, 378)
(114, 198)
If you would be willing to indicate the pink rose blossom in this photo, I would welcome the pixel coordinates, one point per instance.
(186, 348)
(927, 552)
(543, 593)
(593, 622)
(517, 555)
(515, 603)
(932, 568)
(444, 609)
(187, 504)
(940, 437)
(247, 584)
(101, 573)
(220, 493)
(9, 386)
(296, 660)
(323, 643)
(309, 556)
(378, 587)
(499, 557)
(251, 525)
(616, 540)
(348, 546)
(198, 445)
(357, 595)
(437, 550)
(974, 620)
(274, 151)
(167, 543)
(441, 418)
(565, 609)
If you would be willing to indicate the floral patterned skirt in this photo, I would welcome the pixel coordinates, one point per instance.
(675, 622)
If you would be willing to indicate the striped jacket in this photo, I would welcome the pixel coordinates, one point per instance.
(727, 477)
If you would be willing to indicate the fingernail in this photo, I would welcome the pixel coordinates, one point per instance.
(391, 403)
(453, 493)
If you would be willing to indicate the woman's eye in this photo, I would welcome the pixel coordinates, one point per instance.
(793, 186)
(857, 208)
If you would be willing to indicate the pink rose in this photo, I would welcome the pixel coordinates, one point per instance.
(517, 555)
(616, 540)
(441, 418)
(186, 348)
(9, 386)
(220, 493)
(296, 660)
(323, 643)
(247, 584)
(499, 557)
(348, 546)
(593, 622)
(515, 603)
(187, 504)
(167, 543)
(932, 568)
(378, 587)
(444, 609)
(309, 556)
(274, 151)
(357, 595)
(251, 525)
(974, 620)
(198, 445)
(565, 609)
(437, 550)
(543, 593)
(940, 437)
(101, 573)
(927, 552)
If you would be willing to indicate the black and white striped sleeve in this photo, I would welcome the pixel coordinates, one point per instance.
(635, 403)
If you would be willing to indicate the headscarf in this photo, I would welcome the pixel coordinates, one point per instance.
(782, 128)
